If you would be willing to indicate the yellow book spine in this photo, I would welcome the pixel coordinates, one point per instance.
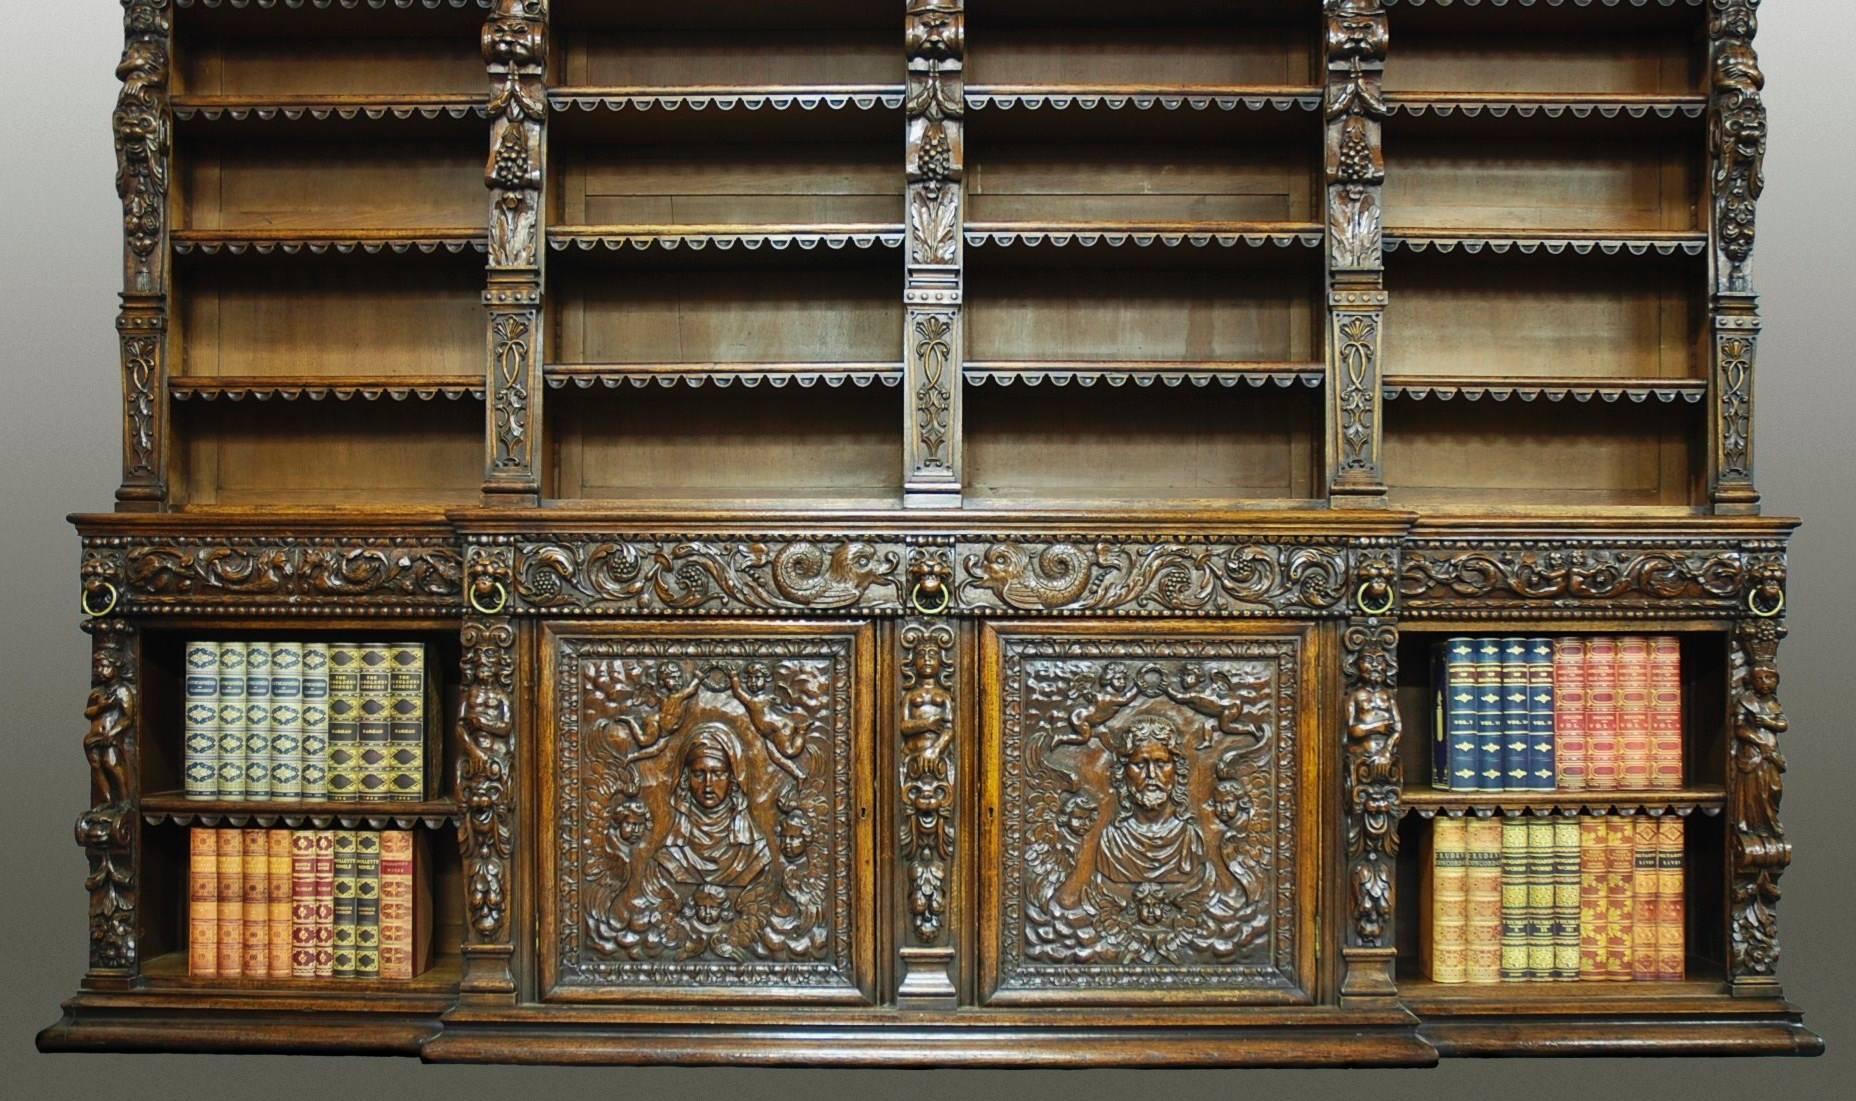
(1450, 901)
(203, 903)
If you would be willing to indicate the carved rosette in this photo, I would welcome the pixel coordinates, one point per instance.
(1737, 148)
(274, 573)
(109, 830)
(516, 54)
(1758, 850)
(1357, 40)
(143, 127)
(1183, 576)
(1572, 577)
(708, 575)
(935, 152)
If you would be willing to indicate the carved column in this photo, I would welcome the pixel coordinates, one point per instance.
(1758, 852)
(110, 830)
(1372, 780)
(486, 779)
(927, 716)
(143, 133)
(515, 49)
(1737, 153)
(933, 336)
(1356, 170)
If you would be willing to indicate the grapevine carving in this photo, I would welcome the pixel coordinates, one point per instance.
(515, 51)
(1356, 43)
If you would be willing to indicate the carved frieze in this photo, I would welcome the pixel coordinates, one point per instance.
(108, 829)
(1758, 850)
(1146, 815)
(704, 812)
(710, 575)
(179, 574)
(1132, 576)
(1572, 576)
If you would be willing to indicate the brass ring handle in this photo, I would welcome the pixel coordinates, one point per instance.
(1752, 603)
(99, 613)
(1360, 598)
(915, 598)
(502, 600)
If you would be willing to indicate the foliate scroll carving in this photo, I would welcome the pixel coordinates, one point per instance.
(486, 782)
(932, 342)
(926, 726)
(704, 824)
(1374, 778)
(682, 575)
(515, 51)
(1356, 108)
(514, 335)
(1465, 578)
(935, 155)
(1737, 138)
(182, 574)
(143, 142)
(1358, 397)
(144, 377)
(1759, 851)
(1148, 804)
(1162, 576)
(107, 830)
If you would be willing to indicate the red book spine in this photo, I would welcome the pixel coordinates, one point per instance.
(325, 904)
(303, 904)
(203, 903)
(1634, 713)
(231, 904)
(1665, 713)
(257, 847)
(1569, 713)
(396, 934)
(1601, 714)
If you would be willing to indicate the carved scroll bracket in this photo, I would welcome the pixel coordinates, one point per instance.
(1758, 852)
(143, 126)
(926, 718)
(1373, 779)
(109, 831)
(515, 52)
(935, 104)
(486, 784)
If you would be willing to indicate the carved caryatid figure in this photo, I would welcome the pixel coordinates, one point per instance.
(1153, 838)
(1373, 723)
(927, 723)
(1758, 721)
(111, 711)
(713, 840)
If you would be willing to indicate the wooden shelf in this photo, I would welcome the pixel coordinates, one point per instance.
(1504, 387)
(614, 375)
(1584, 996)
(1142, 373)
(1527, 105)
(169, 973)
(1116, 97)
(724, 237)
(313, 388)
(1430, 802)
(1552, 241)
(210, 242)
(1143, 234)
(1543, 3)
(174, 807)
(292, 108)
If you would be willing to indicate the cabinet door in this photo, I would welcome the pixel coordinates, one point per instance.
(708, 785)
(1149, 813)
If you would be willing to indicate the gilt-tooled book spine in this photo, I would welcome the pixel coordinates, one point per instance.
(203, 902)
(1540, 710)
(257, 848)
(375, 722)
(281, 885)
(1671, 901)
(315, 720)
(1450, 901)
(1593, 867)
(1516, 916)
(287, 721)
(396, 933)
(344, 904)
(1646, 896)
(406, 722)
(232, 721)
(1459, 729)
(231, 847)
(1566, 898)
(1540, 893)
(1569, 713)
(1665, 713)
(1485, 900)
(1517, 728)
(1601, 714)
(366, 904)
(325, 904)
(258, 721)
(1634, 713)
(1620, 876)
(303, 904)
(1489, 726)
(344, 720)
(200, 716)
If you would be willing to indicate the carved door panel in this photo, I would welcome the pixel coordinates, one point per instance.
(1148, 825)
(710, 786)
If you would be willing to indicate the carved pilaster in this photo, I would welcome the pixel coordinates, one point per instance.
(1357, 39)
(926, 717)
(109, 830)
(486, 779)
(1737, 153)
(1373, 779)
(143, 129)
(1758, 852)
(515, 50)
(933, 329)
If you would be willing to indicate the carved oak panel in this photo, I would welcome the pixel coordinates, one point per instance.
(711, 835)
(1143, 812)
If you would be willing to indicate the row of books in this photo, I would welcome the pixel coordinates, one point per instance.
(300, 904)
(284, 721)
(1602, 713)
(1595, 898)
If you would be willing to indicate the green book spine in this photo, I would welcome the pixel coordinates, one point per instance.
(1541, 921)
(366, 904)
(201, 720)
(1515, 879)
(344, 904)
(1517, 725)
(232, 720)
(344, 719)
(406, 722)
(315, 720)
(375, 723)
(287, 720)
(1566, 889)
(1489, 714)
(258, 721)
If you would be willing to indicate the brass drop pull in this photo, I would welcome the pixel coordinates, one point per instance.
(1766, 611)
(108, 606)
(924, 594)
(502, 599)
(1371, 609)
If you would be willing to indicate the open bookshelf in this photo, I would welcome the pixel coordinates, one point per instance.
(931, 535)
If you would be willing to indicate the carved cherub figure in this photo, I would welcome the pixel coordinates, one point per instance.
(111, 711)
(652, 730)
(781, 723)
(1115, 689)
(1224, 703)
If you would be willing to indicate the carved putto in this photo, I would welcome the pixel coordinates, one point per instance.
(107, 829)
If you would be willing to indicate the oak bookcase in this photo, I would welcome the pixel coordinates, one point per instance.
(831, 448)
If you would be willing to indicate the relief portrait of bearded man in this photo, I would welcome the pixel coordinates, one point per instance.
(1153, 837)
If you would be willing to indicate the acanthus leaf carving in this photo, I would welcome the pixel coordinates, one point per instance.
(1162, 575)
(711, 575)
(1443, 576)
(290, 569)
(515, 52)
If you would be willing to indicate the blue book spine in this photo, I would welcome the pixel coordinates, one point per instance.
(1458, 733)
(1540, 758)
(1517, 728)
(1489, 728)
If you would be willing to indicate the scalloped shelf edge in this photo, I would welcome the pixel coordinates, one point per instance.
(1554, 246)
(725, 241)
(1143, 239)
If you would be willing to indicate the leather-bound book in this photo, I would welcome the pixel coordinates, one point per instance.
(1516, 916)
(281, 884)
(258, 721)
(257, 849)
(344, 720)
(366, 904)
(344, 884)
(1671, 900)
(200, 719)
(1449, 900)
(1634, 713)
(1620, 906)
(1540, 888)
(325, 904)
(1569, 713)
(315, 720)
(231, 847)
(1489, 717)
(303, 904)
(1540, 713)
(396, 904)
(1665, 713)
(203, 901)
(1457, 732)
(1601, 714)
(375, 721)
(232, 720)
(1566, 898)
(1485, 900)
(1594, 867)
(1517, 723)
(287, 721)
(1646, 898)
(406, 722)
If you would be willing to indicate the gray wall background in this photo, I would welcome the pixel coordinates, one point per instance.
(59, 424)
